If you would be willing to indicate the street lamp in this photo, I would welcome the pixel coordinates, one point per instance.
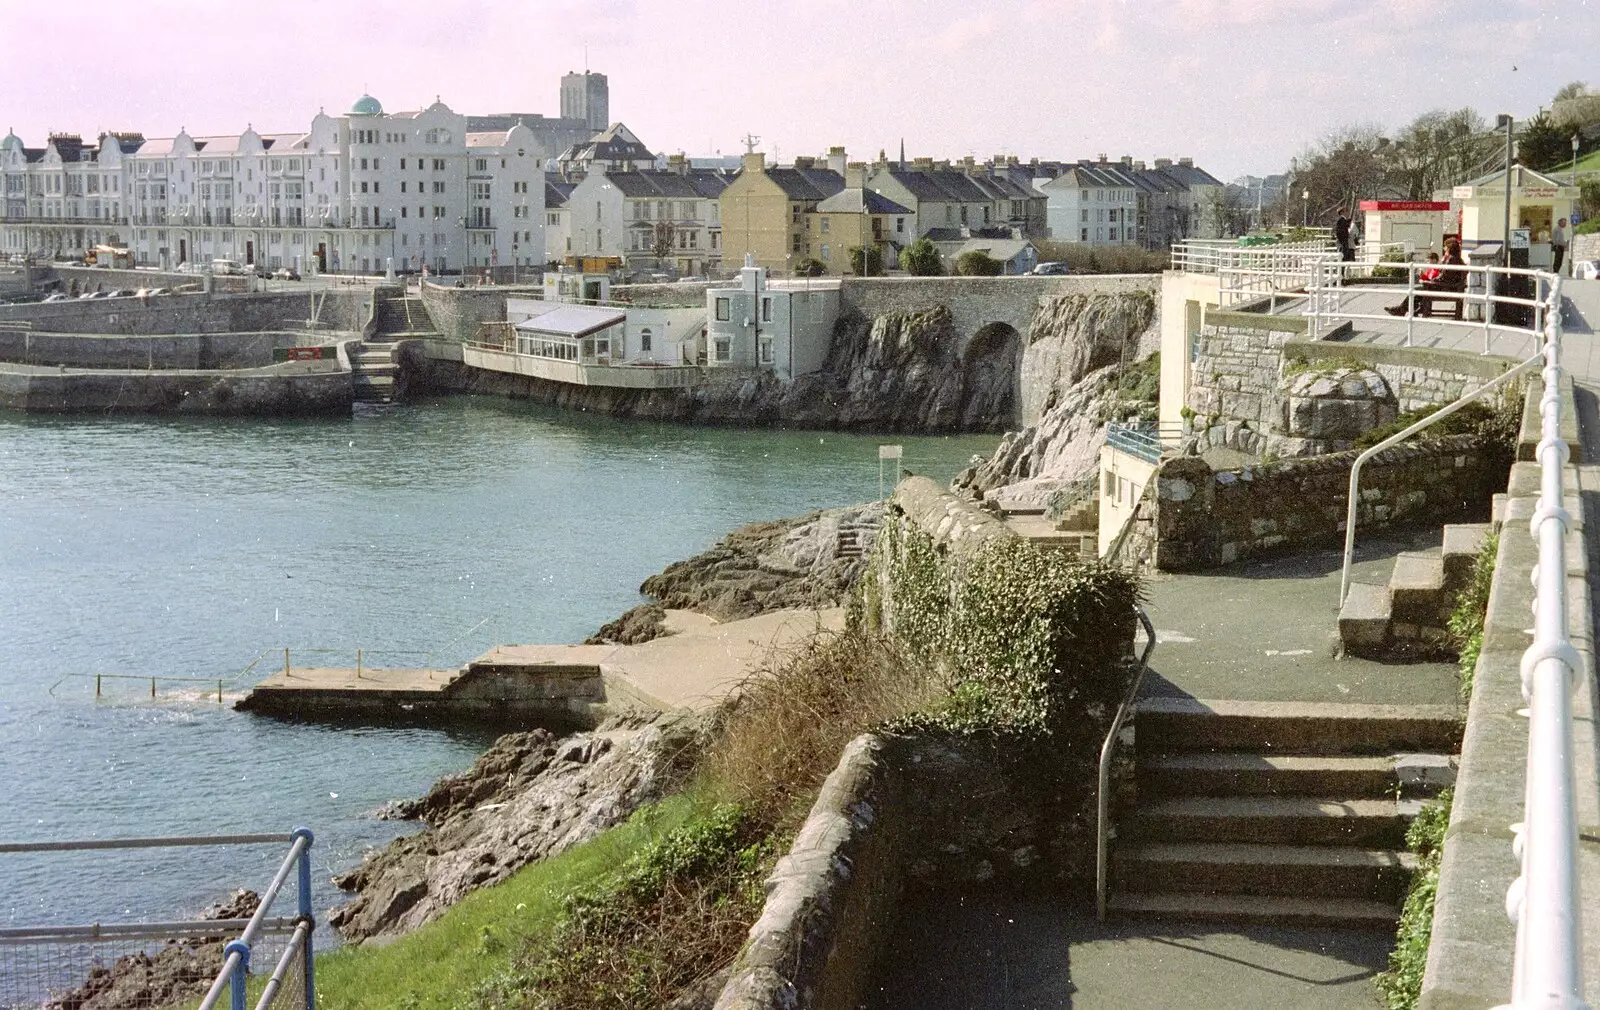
(1305, 208)
(1505, 234)
(1574, 159)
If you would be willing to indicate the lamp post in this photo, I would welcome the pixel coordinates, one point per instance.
(1305, 208)
(1505, 234)
(1574, 159)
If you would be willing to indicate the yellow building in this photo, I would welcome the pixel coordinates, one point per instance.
(852, 218)
(764, 210)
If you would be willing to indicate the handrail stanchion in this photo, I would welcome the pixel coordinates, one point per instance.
(239, 952)
(1488, 305)
(1102, 854)
(1411, 300)
(306, 915)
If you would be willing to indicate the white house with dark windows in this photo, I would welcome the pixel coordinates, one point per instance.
(783, 327)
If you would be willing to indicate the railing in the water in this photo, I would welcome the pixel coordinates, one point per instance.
(42, 965)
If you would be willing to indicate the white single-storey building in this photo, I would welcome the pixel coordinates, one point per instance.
(784, 328)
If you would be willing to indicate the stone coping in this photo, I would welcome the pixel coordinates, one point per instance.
(1480, 365)
(1257, 321)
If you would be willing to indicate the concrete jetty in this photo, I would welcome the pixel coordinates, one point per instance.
(695, 666)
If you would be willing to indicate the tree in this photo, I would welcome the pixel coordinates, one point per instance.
(1543, 144)
(1576, 89)
(977, 263)
(921, 259)
(1439, 149)
(1347, 166)
(1231, 211)
(810, 267)
(874, 264)
(661, 239)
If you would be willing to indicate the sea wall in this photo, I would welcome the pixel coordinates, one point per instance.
(291, 389)
(188, 350)
(196, 313)
(1204, 518)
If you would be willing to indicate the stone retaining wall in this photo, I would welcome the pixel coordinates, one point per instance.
(1204, 518)
(1419, 376)
(1585, 247)
(172, 314)
(291, 389)
(192, 351)
(897, 813)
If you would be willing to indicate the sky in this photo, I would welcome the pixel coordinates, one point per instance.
(1238, 85)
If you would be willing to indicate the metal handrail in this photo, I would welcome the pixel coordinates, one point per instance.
(1103, 797)
(232, 977)
(1544, 899)
(1354, 498)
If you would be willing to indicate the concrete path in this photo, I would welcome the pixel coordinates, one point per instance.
(1268, 631)
(1023, 953)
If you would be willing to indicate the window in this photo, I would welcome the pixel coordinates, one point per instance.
(899, 224)
(825, 253)
(644, 339)
(402, 185)
(766, 306)
(723, 349)
(794, 214)
(796, 243)
(403, 212)
(1085, 236)
(764, 350)
(722, 309)
(824, 224)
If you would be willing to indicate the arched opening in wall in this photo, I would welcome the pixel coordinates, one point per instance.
(992, 379)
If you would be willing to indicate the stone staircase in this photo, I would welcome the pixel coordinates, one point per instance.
(374, 372)
(1281, 812)
(375, 365)
(1407, 616)
(401, 317)
(848, 544)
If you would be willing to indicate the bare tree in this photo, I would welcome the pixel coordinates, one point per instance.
(1439, 148)
(1576, 89)
(662, 239)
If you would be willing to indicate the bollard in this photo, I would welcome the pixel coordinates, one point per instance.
(286, 661)
(97, 685)
(219, 692)
(358, 664)
(152, 687)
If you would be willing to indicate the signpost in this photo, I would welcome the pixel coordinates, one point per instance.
(894, 452)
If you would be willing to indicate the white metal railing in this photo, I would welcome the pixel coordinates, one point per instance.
(1331, 292)
(1544, 900)
(1102, 853)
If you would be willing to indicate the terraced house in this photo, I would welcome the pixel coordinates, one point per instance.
(764, 210)
(661, 219)
(960, 201)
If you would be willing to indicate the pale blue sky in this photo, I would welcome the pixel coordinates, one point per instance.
(1240, 86)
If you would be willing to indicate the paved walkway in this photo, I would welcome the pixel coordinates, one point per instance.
(694, 667)
(1035, 953)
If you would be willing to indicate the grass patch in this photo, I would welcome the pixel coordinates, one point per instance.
(1497, 426)
(1401, 984)
(450, 964)
(1110, 259)
(1472, 605)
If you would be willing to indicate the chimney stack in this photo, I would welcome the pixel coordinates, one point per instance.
(922, 164)
(1185, 162)
(678, 164)
(1127, 161)
(1163, 163)
(755, 161)
(836, 160)
(855, 175)
(804, 161)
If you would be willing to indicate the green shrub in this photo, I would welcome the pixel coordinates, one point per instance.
(977, 263)
(921, 259)
(1497, 426)
(1401, 984)
(874, 264)
(810, 267)
(1472, 605)
(1105, 259)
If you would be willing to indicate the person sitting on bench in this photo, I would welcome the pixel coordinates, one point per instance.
(1435, 279)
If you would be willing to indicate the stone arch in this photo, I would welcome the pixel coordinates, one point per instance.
(991, 386)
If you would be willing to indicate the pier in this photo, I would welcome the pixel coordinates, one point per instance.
(695, 665)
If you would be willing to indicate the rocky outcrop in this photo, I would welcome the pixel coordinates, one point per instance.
(1080, 349)
(529, 797)
(180, 971)
(808, 562)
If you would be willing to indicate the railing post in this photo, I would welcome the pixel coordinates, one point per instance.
(306, 914)
(1488, 304)
(1411, 300)
(286, 661)
(236, 982)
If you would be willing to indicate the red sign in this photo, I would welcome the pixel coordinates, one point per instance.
(1403, 205)
(305, 354)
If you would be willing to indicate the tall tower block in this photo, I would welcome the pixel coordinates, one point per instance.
(586, 96)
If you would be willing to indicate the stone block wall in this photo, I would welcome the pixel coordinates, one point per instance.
(1204, 518)
(1585, 247)
(1418, 376)
(897, 813)
(156, 351)
(1238, 365)
(339, 311)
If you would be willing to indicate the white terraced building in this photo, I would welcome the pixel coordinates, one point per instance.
(352, 193)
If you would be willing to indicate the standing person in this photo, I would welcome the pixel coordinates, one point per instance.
(1341, 235)
(1558, 245)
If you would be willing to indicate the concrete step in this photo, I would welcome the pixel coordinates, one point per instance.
(1231, 868)
(1364, 619)
(1172, 725)
(1497, 510)
(1462, 541)
(1275, 909)
(372, 379)
(1194, 773)
(1416, 591)
(1280, 820)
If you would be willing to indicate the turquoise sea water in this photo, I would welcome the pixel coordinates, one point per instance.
(186, 548)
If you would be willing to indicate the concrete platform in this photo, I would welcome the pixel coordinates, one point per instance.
(696, 666)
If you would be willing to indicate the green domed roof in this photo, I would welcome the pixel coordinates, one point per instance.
(9, 141)
(366, 105)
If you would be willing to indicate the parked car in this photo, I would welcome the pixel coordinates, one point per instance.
(286, 274)
(18, 260)
(1588, 270)
(227, 268)
(152, 292)
(1051, 268)
(122, 293)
